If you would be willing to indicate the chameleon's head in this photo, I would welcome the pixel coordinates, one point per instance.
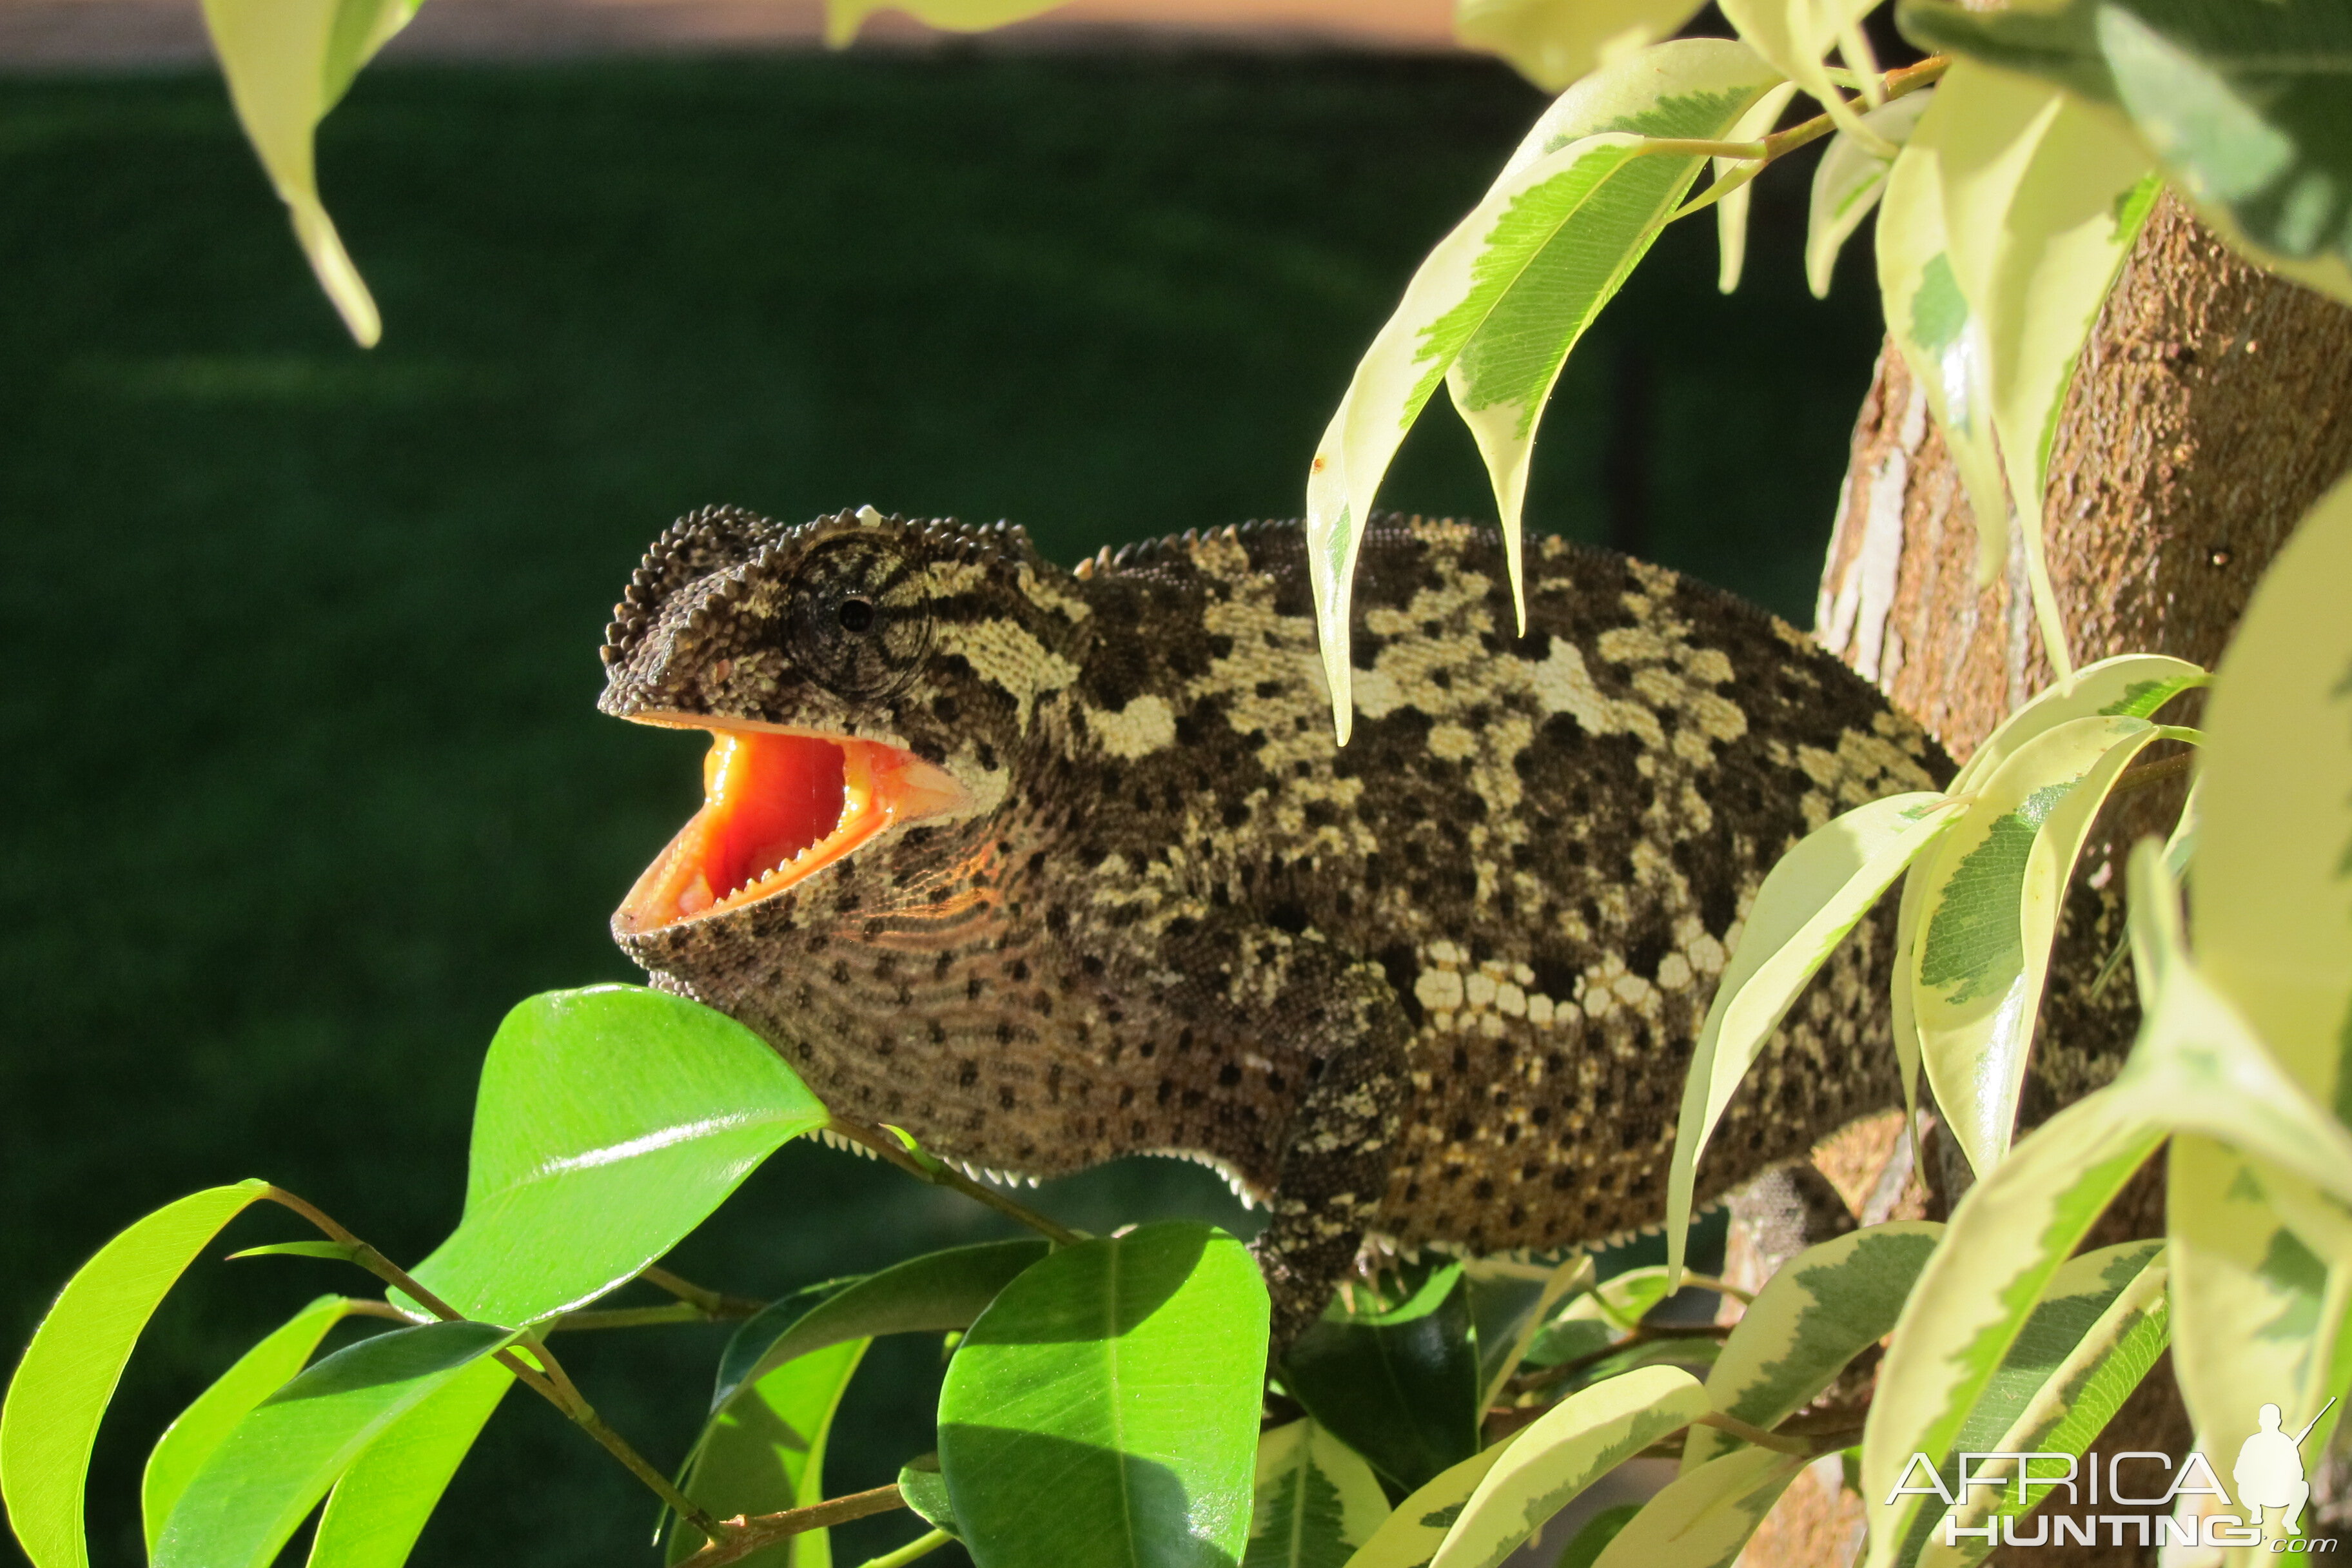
(857, 674)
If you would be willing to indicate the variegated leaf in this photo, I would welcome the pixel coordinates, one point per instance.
(1414, 1531)
(1565, 1450)
(842, 18)
(1810, 900)
(1493, 310)
(1317, 1500)
(2130, 685)
(1705, 1515)
(1848, 182)
(1731, 208)
(1823, 1308)
(1794, 34)
(1554, 42)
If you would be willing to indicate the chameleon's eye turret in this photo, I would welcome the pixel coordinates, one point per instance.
(859, 616)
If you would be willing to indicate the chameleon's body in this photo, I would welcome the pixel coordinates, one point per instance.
(1439, 985)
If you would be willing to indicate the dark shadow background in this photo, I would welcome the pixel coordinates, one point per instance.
(302, 783)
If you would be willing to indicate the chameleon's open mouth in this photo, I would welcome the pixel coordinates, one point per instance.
(776, 808)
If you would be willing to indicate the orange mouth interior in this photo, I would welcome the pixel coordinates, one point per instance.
(776, 809)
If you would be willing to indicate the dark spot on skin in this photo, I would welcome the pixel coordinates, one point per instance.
(967, 1074)
(1229, 1075)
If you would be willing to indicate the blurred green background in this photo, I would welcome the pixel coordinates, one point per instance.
(304, 784)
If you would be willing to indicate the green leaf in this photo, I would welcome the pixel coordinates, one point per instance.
(287, 62)
(1941, 335)
(1707, 1514)
(842, 18)
(1496, 306)
(2039, 199)
(1810, 899)
(188, 1441)
(380, 1507)
(1565, 1450)
(62, 1386)
(1412, 1532)
(1553, 43)
(1400, 1387)
(1822, 1308)
(2273, 868)
(1317, 1500)
(1628, 1297)
(934, 1293)
(1105, 1408)
(1731, 207)
(1989, 910)
(2078, 1358)
(2241, 104)
(926, 1491)
(2006, 1238)
(1848, 181)
(1509, 1305)
(763, 1451)
(1598, 1530)
(275, 1466)
(610, 1122)
(341, 1252)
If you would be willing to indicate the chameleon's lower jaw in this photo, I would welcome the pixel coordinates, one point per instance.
(777, 808)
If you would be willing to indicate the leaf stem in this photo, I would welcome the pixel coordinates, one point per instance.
(921, 1546)
(1748, 1433)
(940, 1173)
(1754, 156)
(714, 1304)
(2148, 774)
(1532, 1381)
(735, 1539)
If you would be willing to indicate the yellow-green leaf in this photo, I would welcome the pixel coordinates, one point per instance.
(1848, 182)
(1821, 1310)
(1567, 1448)
(1554, 42)
(61, 1388)
(1731, 208)
(2274, 867)
(1412, 1532)
(2130, 685)
(1317, 1500)
(1989, 910)
(189, 1441)
(287, 62)
(1810, 899)
(844, 17)
(378, 1510)
(1705, 1517)
(1493, 310)
(1794, 34)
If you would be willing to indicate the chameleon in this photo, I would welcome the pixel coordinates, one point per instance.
(1049, 866)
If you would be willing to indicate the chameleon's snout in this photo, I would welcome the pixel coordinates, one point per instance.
(776, 809)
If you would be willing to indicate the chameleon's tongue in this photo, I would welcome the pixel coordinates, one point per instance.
(776, 808)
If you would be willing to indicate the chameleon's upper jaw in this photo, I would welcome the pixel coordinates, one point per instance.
(776, 808)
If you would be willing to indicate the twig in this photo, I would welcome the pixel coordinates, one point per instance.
(1748, 1433)
(1754, 156)
(732, 1540)
(940, 1173)
(922, 1545)
(714, 1304)
(2148, 774)
(1720, 1287)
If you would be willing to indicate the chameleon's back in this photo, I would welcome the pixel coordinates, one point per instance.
(1547, 842)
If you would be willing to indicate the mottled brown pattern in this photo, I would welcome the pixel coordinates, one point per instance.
(1441, 984)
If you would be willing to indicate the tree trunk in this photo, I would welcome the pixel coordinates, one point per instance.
(2212, 408)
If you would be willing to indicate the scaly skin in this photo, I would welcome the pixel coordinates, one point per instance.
(1440, 986)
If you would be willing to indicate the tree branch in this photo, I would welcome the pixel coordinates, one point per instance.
(732, 1540)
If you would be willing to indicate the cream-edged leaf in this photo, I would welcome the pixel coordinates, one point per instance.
(1317, 1500)
(842, 18)
(1494, 308)
(1412, 1532)
(287, 62)
(1565, 1450)
(1822, 1308)
(1989, 910)
(1554, 42)
(2132, 685)
(2094, 1334)
(2273, 868)
(1794, 34)
(1705, 1515)
(1809, 902)
(1939, 333)
(1731, 209)
(2006, 1238)
(1848, 182)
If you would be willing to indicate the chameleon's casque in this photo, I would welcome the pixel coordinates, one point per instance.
(1051, 867)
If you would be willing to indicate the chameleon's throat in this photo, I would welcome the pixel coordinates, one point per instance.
(776, 809)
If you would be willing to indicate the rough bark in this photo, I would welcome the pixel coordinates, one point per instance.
(2212, 408)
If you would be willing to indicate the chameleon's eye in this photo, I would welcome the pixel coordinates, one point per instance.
(861, 620)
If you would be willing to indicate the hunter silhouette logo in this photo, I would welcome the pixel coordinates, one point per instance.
(1989, 1494)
